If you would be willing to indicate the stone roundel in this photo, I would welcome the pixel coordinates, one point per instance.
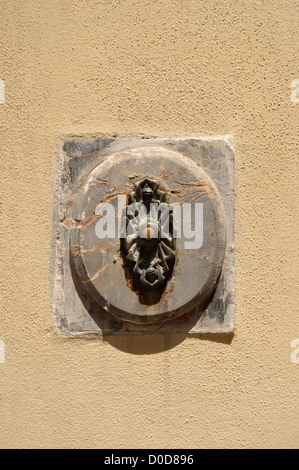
(98, 262)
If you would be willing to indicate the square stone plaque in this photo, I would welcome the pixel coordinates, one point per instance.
(76, 310)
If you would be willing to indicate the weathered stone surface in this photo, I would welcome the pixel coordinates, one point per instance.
(89, 272)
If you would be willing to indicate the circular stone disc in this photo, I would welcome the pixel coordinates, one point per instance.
(99, 263)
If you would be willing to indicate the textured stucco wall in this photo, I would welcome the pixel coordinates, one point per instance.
(160, 67)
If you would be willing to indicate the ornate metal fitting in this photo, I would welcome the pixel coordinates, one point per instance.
(148, 247)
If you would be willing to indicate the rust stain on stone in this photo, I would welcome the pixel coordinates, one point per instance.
(129, 283)
(75, 250)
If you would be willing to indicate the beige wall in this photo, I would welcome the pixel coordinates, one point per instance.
(160, 67)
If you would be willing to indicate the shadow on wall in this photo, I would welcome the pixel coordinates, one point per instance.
(133, 343)
(154, 344)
